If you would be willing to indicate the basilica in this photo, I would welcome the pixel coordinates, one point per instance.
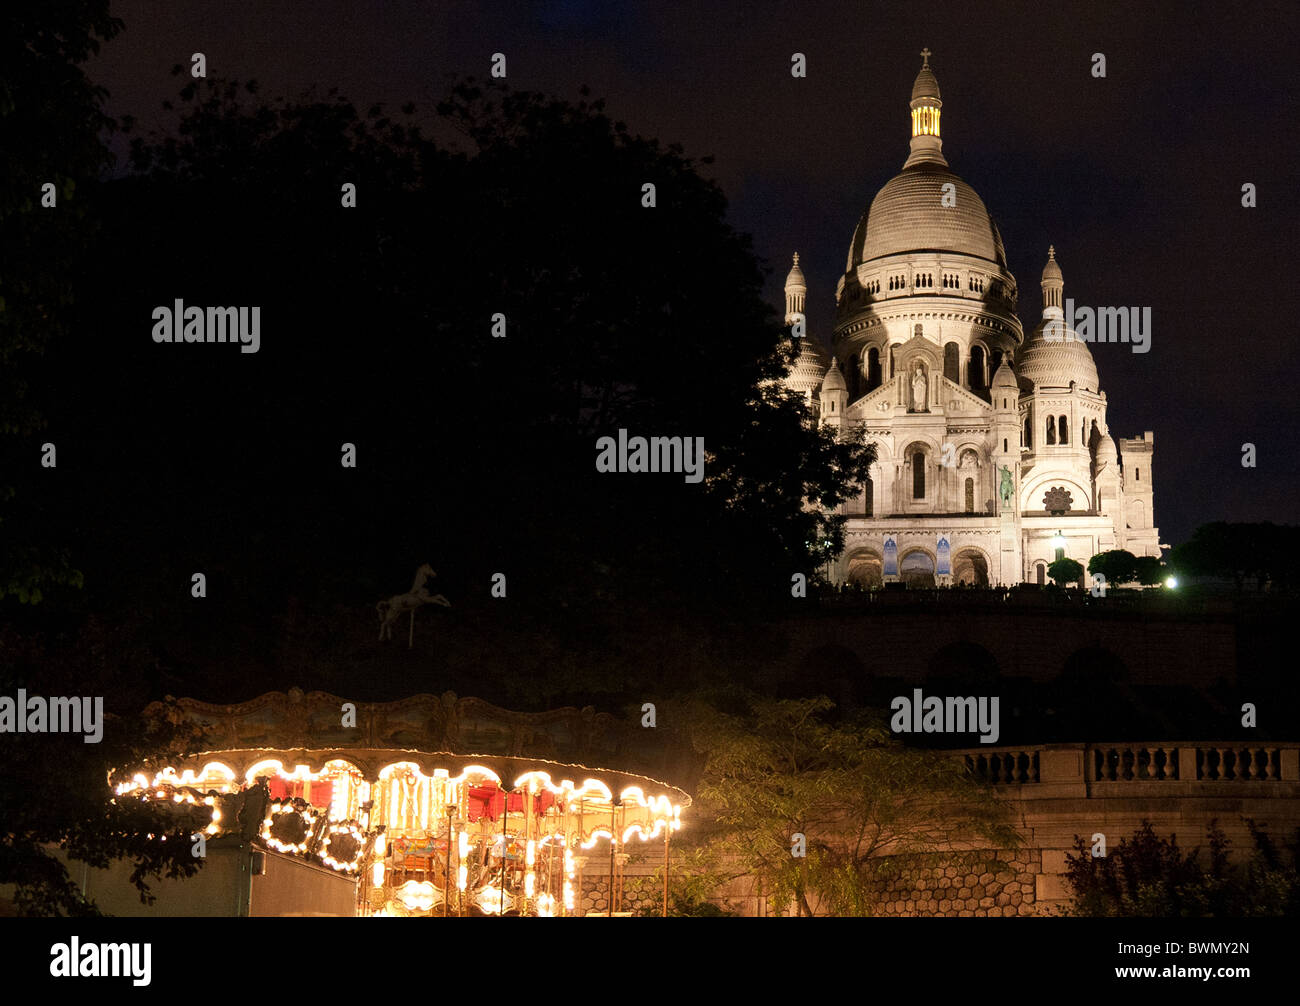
(994, 456)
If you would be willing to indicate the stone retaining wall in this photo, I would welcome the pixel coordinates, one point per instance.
(994, 883)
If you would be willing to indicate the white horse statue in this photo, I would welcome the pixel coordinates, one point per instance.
(416, 597)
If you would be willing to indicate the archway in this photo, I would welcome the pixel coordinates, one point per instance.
(952, 362)
(917, 570)
(865, 570)
(970, 567)
(872, 368)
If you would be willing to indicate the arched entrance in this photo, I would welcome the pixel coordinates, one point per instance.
(917, 570)
(970, 567)
(865, 571)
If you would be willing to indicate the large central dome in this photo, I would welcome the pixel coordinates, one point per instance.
(916, 211)
(911, 214)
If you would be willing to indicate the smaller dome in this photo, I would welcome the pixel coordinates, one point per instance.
(925, 86)
(1005, 376)
(795, 277)
(1106, 452)
(1055, 362)
(808, 370)
(1051, 271)
(834, 379)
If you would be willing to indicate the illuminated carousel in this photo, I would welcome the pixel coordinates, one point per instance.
(425, 833)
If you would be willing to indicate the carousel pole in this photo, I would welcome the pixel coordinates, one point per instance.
(667, 834)
(505, 815)
(623, 857)
(446, 893)
(613, 846)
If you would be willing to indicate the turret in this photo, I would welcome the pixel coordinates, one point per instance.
(796, 289)
(834, 395)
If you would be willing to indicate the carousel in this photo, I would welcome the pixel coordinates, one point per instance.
(426, 833)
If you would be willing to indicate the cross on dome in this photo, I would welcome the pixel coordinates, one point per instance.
(925, 55)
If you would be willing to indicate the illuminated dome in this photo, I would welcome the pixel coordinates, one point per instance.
(925, 86)
(809, 368)
(834, 379)
(1054, 355)
(914, 212)
(908, 215)
(1055, 364)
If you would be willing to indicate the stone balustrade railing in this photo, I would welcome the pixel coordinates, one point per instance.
(1054, 767)
(1004, 766)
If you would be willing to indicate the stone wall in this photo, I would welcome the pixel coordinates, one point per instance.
(640, 895)
(994, 883)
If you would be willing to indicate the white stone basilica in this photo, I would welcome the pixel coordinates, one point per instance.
(989, 445)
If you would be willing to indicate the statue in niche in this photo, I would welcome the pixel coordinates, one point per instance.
(919, 388)
(1005, 489)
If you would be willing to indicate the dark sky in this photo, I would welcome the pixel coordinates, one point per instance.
(1136, 178)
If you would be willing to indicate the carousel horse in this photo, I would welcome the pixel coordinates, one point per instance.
(416, 597)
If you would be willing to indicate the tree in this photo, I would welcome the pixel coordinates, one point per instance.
(1117, 566)
(779, 769)
(51, 126)
(1240, 552)
(1065, 571)
(1148, 876)
(1149, 571)
(54, 790)
(618, 317)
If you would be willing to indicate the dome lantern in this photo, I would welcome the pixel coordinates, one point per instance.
(1053, 284)
(796, 289)
(927, 148)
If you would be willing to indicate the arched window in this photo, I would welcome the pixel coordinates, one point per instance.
(1004, 445)
(1029, 434)
(952, 362)
(873, 368)
(893, 359)
(868, 503)
(1040, 572)
(970, 495)
(975, 369)
(918, 476)
(1060, 422)
(1137, 515)
(1051, 430)
(1083, 434)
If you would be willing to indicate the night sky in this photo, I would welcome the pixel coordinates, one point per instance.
(1136, 179)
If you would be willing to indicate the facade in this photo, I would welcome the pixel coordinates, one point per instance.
(994, 456)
